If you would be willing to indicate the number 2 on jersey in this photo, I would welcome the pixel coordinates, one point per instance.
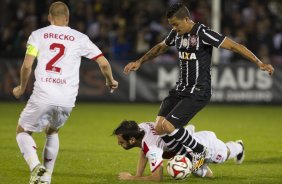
(50, 65)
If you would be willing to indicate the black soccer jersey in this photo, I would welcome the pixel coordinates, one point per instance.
(195, 53)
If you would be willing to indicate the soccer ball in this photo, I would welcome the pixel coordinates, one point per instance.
(179, 167)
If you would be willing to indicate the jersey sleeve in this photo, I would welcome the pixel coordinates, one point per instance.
(33, 41)
(211, 37)
(90, 50)
(170, 39)
(154, 156)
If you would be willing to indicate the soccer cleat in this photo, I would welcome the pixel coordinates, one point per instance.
(35, 174)
(198, 159)
(46, 178)
(240, 157)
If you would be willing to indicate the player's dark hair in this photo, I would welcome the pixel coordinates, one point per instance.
(129, 129)
(178, 10)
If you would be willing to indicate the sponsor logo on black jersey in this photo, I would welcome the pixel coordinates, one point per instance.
(187, 55)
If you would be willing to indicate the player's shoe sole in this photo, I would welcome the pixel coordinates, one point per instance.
(35, 174)
(240, 157)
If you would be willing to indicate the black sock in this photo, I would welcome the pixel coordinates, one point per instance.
(176, 146)
(171, 143)
(183, 136)
(188, 155)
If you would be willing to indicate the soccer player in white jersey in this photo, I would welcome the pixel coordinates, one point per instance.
(129, 134)
(58, 50)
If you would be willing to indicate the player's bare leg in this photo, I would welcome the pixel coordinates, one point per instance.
(163, 126)
(171, 142)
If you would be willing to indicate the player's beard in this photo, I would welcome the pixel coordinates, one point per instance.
(129, 146)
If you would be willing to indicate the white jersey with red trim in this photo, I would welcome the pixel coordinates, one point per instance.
(152, 145)
(59, 56)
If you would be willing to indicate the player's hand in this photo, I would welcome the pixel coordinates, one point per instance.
(124, 176)
(17, 92)
(266, 67)
(113, 85)
(132, 66)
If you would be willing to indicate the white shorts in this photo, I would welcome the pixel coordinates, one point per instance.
(217, 150)
(37, 116)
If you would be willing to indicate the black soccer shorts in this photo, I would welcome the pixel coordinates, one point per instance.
(179, 110)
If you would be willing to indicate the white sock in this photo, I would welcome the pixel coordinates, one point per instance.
(50, 153)
(235, 148)
(28, 149)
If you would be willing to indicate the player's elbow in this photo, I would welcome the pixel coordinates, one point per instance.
(231, 45)
(26, 67)
(237, 47)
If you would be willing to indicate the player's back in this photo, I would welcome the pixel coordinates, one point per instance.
(151, 138)
(60, 49)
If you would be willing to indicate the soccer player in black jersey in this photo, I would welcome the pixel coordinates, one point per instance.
(194, 42)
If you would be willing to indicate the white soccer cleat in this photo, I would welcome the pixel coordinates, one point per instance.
(240, 157)
(36, 173)
(45, 178)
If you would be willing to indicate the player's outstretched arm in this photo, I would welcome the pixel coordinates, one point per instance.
(156, 176)
(141, 165)
(157, 50)
(106, 70)
(25, 74)
(243, 51)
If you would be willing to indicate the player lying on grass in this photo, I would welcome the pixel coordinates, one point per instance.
(129, 134)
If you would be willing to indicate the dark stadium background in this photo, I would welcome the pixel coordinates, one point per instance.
(126, 29)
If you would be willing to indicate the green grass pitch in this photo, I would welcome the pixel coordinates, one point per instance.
(89, 154)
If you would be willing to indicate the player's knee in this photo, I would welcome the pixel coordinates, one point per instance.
(20, 129)
(158, 127)
(164, 127)
(50, 130)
